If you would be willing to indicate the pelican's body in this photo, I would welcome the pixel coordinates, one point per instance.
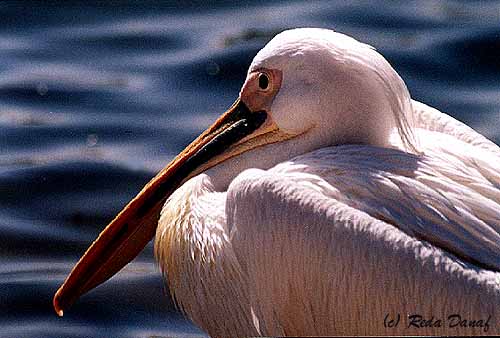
(340, 207)
(334, 240)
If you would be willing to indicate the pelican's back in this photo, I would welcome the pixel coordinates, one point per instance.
(431, 119)
(333, 241)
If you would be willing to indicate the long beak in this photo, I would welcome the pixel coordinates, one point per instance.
(136, 224)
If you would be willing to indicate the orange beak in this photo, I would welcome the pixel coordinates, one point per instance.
(123, 238)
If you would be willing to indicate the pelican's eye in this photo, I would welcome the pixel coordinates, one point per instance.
(263, 81)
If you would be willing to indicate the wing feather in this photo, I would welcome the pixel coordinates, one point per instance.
(431, 119)
(434, 198)
(317, 266)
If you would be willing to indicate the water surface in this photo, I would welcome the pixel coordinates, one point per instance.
(96, 98)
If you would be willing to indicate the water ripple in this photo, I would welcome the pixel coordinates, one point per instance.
(95, 99)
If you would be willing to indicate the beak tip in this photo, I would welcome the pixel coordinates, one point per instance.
(57, 304)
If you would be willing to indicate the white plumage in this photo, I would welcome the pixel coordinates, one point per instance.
(331, 241)
(350, 205)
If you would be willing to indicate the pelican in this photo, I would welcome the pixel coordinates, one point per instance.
(325, 201)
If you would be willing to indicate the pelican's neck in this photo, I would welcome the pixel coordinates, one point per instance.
(194, 213)
(194, 252)
(263, 157)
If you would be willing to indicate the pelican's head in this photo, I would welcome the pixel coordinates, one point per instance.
(330, 85)
(312, 86)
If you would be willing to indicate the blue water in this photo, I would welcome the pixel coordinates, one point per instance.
(95, 98)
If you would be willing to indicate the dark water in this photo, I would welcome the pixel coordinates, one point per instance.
(95, 98)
